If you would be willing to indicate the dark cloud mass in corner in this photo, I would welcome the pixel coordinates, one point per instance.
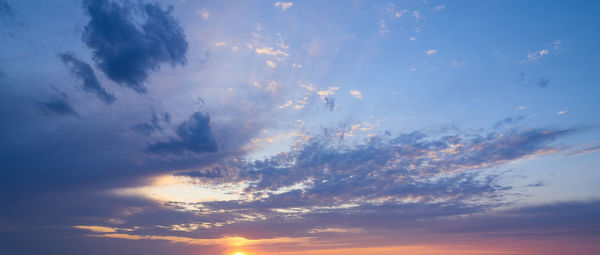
(58, 105)
(86, 73)
(5, 9)
(126, 51)
(193, 135)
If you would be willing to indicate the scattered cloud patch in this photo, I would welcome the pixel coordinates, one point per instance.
(205, 14)
(271, 64)
(85, 72)
(431, 52)
(125, 51)
(543, 82)
(561, 112)
(438, 8)
(270, 51)
(284, 5)
(357, 94)
(220, 44)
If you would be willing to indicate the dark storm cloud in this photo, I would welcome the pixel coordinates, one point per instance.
(193, 135)
(86, 73)
(57, 105)
(155, 124)
(127, 51)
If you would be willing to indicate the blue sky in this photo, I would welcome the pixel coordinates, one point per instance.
(268, 127)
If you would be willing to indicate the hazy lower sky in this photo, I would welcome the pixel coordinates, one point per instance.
(302, 127)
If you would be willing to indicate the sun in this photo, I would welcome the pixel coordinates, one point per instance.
(239, 253)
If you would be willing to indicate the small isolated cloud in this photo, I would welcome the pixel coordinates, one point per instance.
(416, 15)
(329, 92)
(382, 27)
(413, 70)
(438, 8)
(270, 51)
(356, 94)
(235, 48)
(431, 52)
(412, 38)
(284, 5)
(297, 65)
(86, 73)
(543, 82)
(271, 64)
(458, 63)
(520, 108)
(57, 105)
(125, 48)
(193, 135)
(533, 56)
(204, 14)
(220, 44)
(400, 13)
(561, 112)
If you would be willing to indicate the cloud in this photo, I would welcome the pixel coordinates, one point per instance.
(438, 8)
(284, 5)
(543, 83)
(356, 94)
(125, 51)
(86, 73)
(193, 135)
(537, 55)
(431, 52)
(155, 124)
(271, 64)
(205, 14)
(220, 44)
(270, 51)
(58, 105)
(561, 112)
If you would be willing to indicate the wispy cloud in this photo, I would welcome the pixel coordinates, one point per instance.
(284, 5)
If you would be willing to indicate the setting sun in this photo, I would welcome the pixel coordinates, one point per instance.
(239, 253)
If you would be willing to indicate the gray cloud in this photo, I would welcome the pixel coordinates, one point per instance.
(127, 51)
(58, 105)
(193, 135)
(86, 73)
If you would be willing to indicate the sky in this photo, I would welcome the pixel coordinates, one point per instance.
(302, 127)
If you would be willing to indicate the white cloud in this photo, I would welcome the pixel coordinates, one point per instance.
(297, 65)
(382, 27)
(284, 5)
(412, 39)
(270, 51)
(220, 44)
(329, 92)
(356, 94)
(272, 86)
(439, 8)
(287, 104)
(417, 15)
(204, 13)
(235, 48)
(401, 13)
(309, 87)
(533, 56)
(413, 69)
(520, 108)
(271, 64)
(561, 112)
(431, 52)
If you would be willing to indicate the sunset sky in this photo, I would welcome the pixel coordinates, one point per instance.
(304, 127)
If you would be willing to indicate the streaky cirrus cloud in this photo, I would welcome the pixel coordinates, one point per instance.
(127, 51)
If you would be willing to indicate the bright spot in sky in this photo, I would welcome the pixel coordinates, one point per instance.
(239, 253)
